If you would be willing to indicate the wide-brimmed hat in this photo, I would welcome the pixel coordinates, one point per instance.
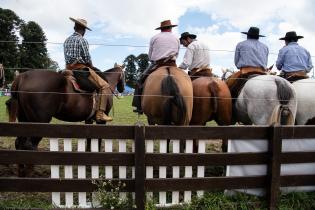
(254, 32)
(187, 34)
(81, 22)
(165, 24)
(291, 35)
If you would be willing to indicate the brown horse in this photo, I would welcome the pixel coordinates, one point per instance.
(168, 97)
(39, 95)
(212, 101)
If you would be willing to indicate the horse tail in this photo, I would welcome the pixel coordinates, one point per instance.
(282, 114)
(170, 88)
(12, 103)
(213, 88)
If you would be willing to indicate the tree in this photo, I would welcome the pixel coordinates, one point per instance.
(9, 53)
(131, 70)
(143, 62)
(33, 51)
(134, 67)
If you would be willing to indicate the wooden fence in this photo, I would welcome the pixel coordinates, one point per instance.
(142, 160)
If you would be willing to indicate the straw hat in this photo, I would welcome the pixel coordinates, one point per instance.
(165, 24)
(81, 22)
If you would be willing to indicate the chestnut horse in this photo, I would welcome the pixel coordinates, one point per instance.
(212, 101)
(40, 95)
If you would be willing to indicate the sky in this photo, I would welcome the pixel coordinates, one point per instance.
(124, 27)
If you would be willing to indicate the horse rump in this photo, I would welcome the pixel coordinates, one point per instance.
(282, 113)
(170, 89)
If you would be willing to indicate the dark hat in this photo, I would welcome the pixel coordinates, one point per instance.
(165, 24)
(187, 34)
(291, 35)
(254, 32)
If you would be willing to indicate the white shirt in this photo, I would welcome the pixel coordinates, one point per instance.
(196, 56)
(163, 45)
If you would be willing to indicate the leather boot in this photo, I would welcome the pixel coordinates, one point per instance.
(100, 113)
(102, 117)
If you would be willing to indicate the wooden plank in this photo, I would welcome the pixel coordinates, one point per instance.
(297, 180)
(65, 158)
(202, 132)
(139, 137)
(194, 184)
(298, 132)
(55, 185)
(67, 130)
(273, 170)
(214, 159)
(297, 157)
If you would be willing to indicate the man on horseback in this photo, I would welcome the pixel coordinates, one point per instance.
(196, 58)
(293, 60)
(163, 51)
(251, 57)
(77, 56)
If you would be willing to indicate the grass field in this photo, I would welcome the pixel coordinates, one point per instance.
(123, 115)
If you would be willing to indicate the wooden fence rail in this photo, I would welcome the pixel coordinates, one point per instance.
(273, 158)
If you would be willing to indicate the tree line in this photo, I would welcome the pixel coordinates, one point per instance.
(23, 47)
(17, 45)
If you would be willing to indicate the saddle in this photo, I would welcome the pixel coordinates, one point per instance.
(294, 76)
(237, 81)
(79, 80)
(200, 72)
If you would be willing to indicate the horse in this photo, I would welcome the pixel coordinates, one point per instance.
(212, 101)
(263, 100)
(40, 95)
(305, 115)
(167, 97)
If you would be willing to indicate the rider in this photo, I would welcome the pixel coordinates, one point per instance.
(251, 57)
(77, 56)
(163, 51)
(293, 60)
(196, 57)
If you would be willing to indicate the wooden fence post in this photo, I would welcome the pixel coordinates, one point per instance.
(274, 166)
(140, 166)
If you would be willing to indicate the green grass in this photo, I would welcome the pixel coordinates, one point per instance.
(123, 115)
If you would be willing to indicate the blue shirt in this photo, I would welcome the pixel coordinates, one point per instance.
(76, 49)
(293, 57)
(251, 53)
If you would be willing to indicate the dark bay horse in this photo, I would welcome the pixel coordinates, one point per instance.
(168, 97)
(40, 95)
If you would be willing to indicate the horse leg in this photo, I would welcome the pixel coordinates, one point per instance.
(24, 143)
(88, 140)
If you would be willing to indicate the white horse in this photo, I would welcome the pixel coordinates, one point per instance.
(305, 115)
(264, 100)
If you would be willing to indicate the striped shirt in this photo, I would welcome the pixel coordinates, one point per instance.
(293, 57)
(251, 53)
(76, 49)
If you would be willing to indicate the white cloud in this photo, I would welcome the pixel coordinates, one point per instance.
(138, 19)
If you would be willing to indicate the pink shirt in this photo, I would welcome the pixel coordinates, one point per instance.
(163, 45)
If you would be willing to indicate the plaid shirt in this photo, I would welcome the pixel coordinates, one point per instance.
(76, 49)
